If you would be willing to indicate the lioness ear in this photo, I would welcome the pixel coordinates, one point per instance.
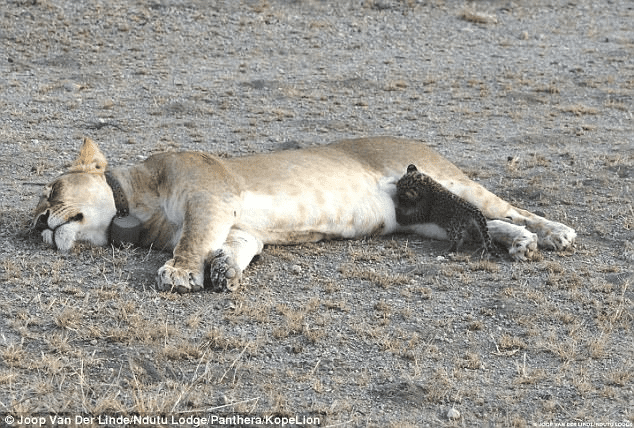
(90, 159)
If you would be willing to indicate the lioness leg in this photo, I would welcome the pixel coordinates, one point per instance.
(546, 233)
(550, 234)
(202, 233)
(227, 264)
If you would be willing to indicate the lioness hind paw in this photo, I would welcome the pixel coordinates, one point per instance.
(224, 273)
(170, 278)
(556, 236)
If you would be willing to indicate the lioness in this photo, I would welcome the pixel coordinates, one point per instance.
(221, 212)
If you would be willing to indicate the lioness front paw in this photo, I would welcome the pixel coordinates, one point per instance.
(521, 242)
(524, 246)
(171, 278)
(556, 236)
(224, 273)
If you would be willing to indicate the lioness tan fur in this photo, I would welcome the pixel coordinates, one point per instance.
(221, 212)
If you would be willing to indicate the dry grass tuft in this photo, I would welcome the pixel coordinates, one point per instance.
(381, 278)
(378, 332)
(478, 17)
(579, 109)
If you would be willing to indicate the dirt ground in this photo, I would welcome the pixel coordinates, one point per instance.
(532, 98)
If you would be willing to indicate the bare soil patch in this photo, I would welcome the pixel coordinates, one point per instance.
(533, 99)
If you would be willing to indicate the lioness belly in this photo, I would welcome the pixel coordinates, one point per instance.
(334, 207)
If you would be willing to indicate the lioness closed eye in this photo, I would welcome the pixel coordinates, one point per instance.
(217, 214)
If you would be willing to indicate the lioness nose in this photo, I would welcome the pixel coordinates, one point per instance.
(41, 221)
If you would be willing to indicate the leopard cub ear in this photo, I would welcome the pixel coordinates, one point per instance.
(90, 159)
(411, 168)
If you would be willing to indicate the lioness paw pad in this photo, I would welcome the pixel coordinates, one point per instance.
(224, 273)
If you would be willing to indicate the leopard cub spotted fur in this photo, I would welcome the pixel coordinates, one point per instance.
(423, 200)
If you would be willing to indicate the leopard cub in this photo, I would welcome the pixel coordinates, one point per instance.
(423, 200)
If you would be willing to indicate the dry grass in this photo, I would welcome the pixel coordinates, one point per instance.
(579, 109)
(371, 333)
(478, 17)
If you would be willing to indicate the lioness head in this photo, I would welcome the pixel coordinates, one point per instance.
(79, 205)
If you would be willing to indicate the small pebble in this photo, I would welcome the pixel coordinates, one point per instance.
(296, 269)
(72, 87)
(453, 414)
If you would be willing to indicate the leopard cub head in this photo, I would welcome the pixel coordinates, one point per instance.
(410, 188)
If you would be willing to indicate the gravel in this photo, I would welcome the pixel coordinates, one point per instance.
(532, 99)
